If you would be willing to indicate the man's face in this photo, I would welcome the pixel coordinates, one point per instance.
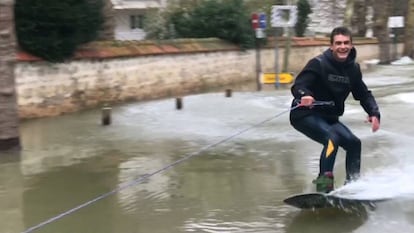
(341, 47)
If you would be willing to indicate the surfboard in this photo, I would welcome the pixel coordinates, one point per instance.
(325, 200)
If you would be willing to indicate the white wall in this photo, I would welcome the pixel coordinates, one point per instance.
(122, 25)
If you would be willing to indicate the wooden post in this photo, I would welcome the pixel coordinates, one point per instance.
(106, 115)
(228, 92)
(178, 103)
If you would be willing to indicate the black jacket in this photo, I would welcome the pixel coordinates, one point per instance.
(326, 79)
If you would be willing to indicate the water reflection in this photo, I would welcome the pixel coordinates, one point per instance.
(11, 188)
(321, 221)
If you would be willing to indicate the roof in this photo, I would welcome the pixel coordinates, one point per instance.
(117, 49)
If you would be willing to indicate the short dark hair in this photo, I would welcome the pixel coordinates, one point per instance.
(340, 31)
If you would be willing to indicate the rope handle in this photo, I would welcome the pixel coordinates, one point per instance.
(317, 103)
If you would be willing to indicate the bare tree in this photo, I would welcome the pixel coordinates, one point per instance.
(382, 10)
(349, 11)
(359, 20)
(9, 122)
(107, 32)
(409, 31)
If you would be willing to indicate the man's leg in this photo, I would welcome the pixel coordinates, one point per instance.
(318, 129)
(321, 131)
(352, 146)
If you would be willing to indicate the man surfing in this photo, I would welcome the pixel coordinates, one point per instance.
(332, 76)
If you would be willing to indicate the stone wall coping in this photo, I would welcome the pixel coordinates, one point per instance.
(119, 49)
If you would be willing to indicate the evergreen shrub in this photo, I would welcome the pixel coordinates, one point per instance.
(53, 29)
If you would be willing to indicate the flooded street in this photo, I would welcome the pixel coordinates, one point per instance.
(219, 165)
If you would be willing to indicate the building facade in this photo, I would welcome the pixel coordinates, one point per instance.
(129, 17)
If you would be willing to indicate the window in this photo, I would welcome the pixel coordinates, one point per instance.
(136, 21)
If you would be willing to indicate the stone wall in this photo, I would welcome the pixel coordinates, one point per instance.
(46, 89)
(326, 14)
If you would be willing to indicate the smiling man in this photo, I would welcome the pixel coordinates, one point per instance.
(330, 78)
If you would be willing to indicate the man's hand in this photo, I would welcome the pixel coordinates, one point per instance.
(307, 100)
(375, 123)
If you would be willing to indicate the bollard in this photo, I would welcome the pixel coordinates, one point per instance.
(228, 92)
(178, 103)
(10, 144)
(106, 115)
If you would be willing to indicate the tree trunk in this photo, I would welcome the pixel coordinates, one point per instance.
(108, 27)
(9, 121)
(409, 31)
(349, 10)
(359, 21)
(382, 11)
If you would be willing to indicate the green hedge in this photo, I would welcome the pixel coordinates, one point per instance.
(225, 19)
(53, 29)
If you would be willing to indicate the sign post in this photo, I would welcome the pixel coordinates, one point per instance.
(393, 23)
(259, 26)
(282, 16)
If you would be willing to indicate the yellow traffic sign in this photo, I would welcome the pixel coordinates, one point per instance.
(270, 78)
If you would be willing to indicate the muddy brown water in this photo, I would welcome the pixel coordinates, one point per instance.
(235, 185)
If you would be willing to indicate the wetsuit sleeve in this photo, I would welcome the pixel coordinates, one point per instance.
(305, 79)
(366, 99)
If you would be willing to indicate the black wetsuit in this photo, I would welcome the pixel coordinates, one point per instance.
(326, 79)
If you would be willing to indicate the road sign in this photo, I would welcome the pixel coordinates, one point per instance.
(260, 33)
(270, 78)
(396, 22)
(283, 16)
(262, 20)
(255, 21)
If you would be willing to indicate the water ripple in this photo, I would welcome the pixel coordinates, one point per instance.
(217, 226)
